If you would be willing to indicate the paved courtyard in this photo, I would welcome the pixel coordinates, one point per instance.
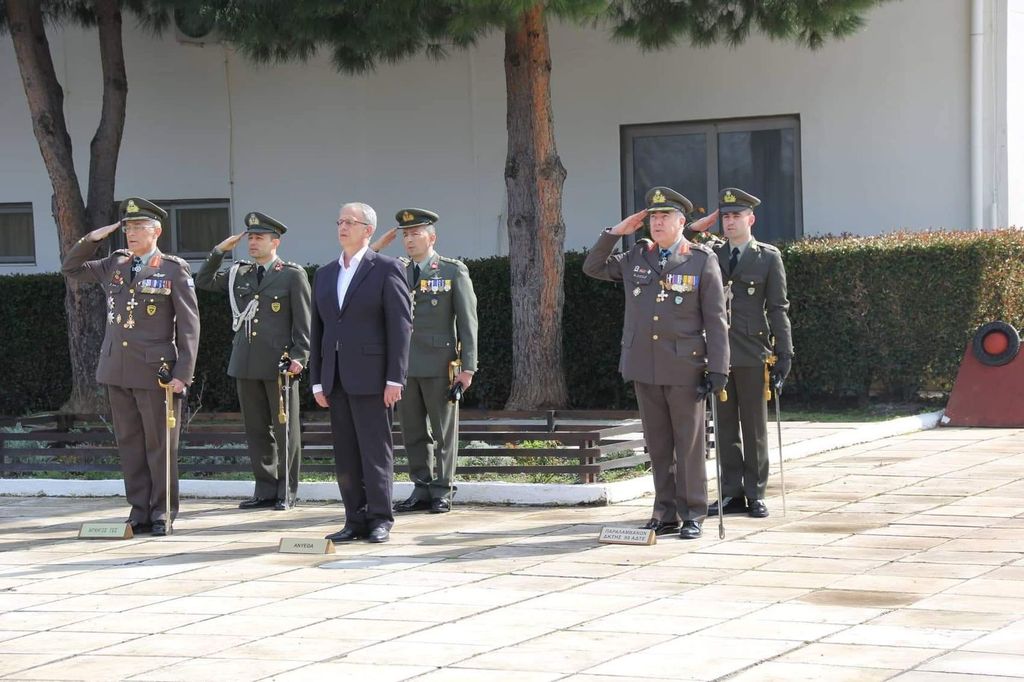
(900, 559)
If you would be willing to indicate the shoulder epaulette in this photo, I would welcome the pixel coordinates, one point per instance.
(176, 259)
(769, 247)
(446, 259)
(290, 264)
(122, 252)
(403, 260)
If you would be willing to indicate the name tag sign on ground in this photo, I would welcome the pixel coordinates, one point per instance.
(106, 531)
(305, 546)
(613, 535)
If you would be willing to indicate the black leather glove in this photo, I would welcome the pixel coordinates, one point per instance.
(455, 392)
(711, 383)
(783, 363)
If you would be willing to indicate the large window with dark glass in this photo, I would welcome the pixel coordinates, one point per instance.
(759, 155)
(17, 234)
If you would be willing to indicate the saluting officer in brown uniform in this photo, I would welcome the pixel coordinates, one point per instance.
(152, 320)
(755, 283)
(270, 309)
(674, 331)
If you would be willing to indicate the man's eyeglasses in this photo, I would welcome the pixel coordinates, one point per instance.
(130, 227)
(351, 222)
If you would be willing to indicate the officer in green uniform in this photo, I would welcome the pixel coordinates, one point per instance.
(270, 306)
(674, 340)
(152, 321)
(443, 336)
(755, 291)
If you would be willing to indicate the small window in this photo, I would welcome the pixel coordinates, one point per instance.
(194, 226)
(17, 234)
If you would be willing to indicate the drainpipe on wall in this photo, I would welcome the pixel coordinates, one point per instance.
(977, 111)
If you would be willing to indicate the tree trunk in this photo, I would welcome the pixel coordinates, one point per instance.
(536, 232)
(83, 302)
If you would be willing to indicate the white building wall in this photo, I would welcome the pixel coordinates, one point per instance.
(1015, 112)
(884, 128)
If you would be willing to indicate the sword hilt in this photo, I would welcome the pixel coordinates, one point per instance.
(164, 378)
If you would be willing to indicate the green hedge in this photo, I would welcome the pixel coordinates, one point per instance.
(888, 315)
(893, 314)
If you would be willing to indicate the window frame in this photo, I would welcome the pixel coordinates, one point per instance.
(711, 128)
(15, 208)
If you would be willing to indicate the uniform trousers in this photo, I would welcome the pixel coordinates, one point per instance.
(140, 426)
(673, 424)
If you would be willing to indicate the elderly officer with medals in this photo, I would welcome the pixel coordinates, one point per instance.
(270, 307)
(761, 340)
(674, 333)
(442, 353)
(152, 323)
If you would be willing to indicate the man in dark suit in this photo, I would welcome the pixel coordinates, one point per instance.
(361, 328)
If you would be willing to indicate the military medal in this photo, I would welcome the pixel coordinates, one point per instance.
(151, 309)
(679, 299)
(636, 291)
(130, 322)
(117, 279)
(276, 306)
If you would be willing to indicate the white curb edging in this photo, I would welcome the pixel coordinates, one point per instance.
(562, 494)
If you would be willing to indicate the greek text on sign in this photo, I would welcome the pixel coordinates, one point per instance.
(627, 536)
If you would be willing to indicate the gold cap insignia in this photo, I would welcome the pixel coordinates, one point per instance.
(658, 198)
(131, 207)
(253, 220)
(729, 198)
(407, 217)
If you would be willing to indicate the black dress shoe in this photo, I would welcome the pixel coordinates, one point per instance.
(732, 505)
(661, 527)
(346, 534)
(257, 503)
(379, 534)
(160, 528)
(690, 530)
(412, 504)
(281, 505)
(440, 505)
(758, 509)
(139, 528)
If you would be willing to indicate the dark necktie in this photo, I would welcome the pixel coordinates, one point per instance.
(732, 259)
(136, 266)
(260, 271)
(415, 275)
(664, 253)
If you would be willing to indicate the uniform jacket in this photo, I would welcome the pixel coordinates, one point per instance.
(371, 331)
(664, 341)
(281, 323)
(759, 305)
(444, 314)
(151, 320)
